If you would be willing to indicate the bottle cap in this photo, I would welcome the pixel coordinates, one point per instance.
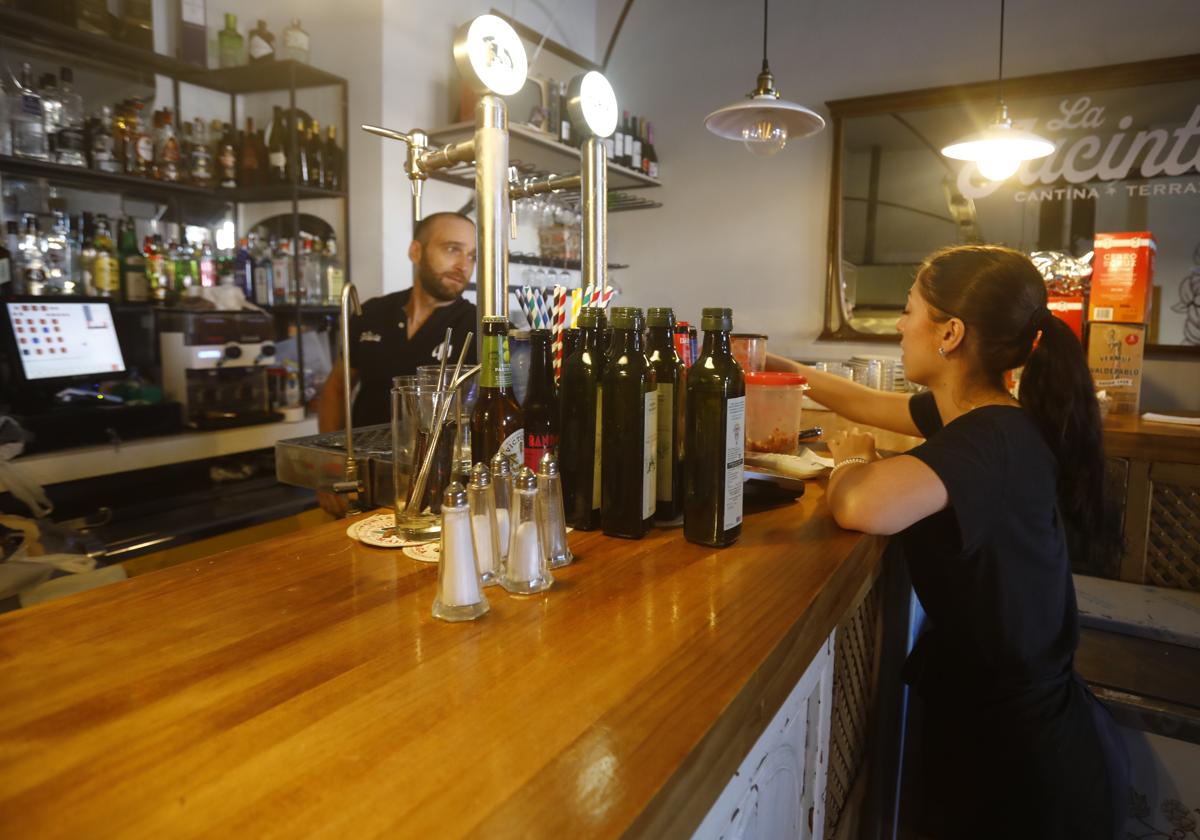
(588, 317)
(716, 318)
(480, 477)
(626, 318)
(660, 316)
(455, 495)
(526, 480)
(547, 466)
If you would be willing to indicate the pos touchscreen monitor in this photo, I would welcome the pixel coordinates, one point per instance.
(57, 340)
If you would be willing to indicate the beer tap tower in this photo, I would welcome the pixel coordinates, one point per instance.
(491, 58)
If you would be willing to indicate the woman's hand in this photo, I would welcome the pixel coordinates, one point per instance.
(853, 443)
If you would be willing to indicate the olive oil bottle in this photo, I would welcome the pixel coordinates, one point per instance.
(629, 430)
(671, 378)
(714, 441)
(497, 424)
(580, 425)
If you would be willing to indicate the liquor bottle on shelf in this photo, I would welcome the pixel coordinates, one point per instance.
(262, 44)
(335, 276)
(301, 160)
(635, 155)
(87, 255)
(193, 32)
(277, 158)
(309, 265)
(672, 397)
(231, 47)
(227, 159)
(135, 286)
(564, 126)
(166, 153)
(281, 270)
(335, 163)
(649, 153)
(157, 279)
(57, 250)
(497, 424)
(28, 114)
(295, 42)
(51, 111)
(120, 140)
(714, 447)
(5, 124)
(243, 269)
(75, 242)
(8, 269)
(555, 116)
(630, 422)
(32, 263)
(264, 275)
(314, 149)
(250, 172)
(206, 264)
(200, 159)
(541, 403)
(69, 142)
(106, 271)
(187, 272)
(619, 138)
(626, 158)
(580, 426)
(141, 145)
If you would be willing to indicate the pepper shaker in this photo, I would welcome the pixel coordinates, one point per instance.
(481, 498)
(459, 592)
(525, 571)
(551, 519)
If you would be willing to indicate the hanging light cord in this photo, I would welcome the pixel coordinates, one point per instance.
(1000, 71)
(765, 11)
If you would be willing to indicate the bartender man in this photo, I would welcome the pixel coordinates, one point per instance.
(398, 333)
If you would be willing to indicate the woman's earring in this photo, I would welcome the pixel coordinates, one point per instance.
(942, 352)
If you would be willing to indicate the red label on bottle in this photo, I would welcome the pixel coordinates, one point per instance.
(536, 446)
(683, 346)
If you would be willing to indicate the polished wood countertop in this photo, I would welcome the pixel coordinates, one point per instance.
(1133, 437)
(300, 686)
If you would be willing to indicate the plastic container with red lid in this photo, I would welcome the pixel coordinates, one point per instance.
(774, 400)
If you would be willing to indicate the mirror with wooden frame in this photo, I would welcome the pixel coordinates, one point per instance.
(1127, 158)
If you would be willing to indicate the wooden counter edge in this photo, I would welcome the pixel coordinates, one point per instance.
(682, 803)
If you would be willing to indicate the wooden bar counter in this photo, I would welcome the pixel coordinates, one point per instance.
(300, 687)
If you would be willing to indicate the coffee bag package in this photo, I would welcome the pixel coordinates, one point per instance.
(1115, 358)
(1122, 277)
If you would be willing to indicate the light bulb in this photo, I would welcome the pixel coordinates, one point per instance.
(765, 137)
(998, 167)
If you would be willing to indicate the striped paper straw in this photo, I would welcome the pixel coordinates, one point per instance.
(576, 305)
(560, 318)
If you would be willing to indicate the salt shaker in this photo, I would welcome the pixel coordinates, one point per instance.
(459, 592)
(482, 500)
(502, 477)
(551, 519)
(525, 571)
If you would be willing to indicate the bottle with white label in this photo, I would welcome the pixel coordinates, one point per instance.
(295, 42)
(714, 439)
(672, 385)
(629, 420)
(497, 424)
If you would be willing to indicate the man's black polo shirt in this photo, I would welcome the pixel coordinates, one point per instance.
(380, 348)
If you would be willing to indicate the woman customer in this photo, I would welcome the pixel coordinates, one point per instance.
(1013, 744)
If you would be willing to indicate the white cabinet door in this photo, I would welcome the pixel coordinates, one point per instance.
(779, 789)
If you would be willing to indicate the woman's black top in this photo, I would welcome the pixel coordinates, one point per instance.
(1009, 730)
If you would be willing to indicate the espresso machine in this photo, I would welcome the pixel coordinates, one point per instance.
(215, 364)
(492, 60)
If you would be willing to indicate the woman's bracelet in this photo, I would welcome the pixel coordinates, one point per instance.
(845, 462)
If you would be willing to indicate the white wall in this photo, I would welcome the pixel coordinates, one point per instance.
(750, 233)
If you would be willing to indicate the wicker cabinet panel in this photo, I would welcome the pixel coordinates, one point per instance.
(1173, 536)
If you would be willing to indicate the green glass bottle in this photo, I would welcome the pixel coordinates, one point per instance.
(580, 425)
(497, 424)
(714, 441)
(671, 377)
(629, 421)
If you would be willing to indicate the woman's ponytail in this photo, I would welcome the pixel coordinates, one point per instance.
(1057, 391)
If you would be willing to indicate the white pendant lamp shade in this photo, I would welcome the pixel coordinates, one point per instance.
(763, 121)
(999, 150)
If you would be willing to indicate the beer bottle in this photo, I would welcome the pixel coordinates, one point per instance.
(714, 443)
(671, 377)
(579, 442)
(629, 421)
(541, 404)
(497, 424)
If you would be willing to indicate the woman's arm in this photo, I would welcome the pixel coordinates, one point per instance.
(879, 496)
(857, 403)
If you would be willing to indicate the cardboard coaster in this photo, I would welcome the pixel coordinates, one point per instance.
(378, 531)
(424, 553)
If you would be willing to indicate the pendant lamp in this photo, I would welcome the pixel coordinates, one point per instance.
(999, 150)
(763, 121)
